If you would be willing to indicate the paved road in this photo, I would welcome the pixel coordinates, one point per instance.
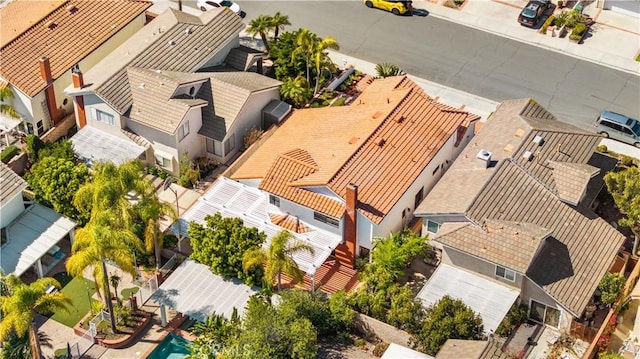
(466, 59)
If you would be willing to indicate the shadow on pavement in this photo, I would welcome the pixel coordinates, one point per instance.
(420, 12)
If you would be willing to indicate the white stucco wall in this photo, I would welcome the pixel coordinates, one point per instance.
(93, 103)
(531, 291)
(10, 209)
(192, 143)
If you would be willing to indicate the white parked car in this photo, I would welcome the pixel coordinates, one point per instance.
(205, 5)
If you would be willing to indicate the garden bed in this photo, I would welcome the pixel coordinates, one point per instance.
(126, 333)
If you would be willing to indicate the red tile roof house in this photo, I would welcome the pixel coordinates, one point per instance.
(42, 40)
(154, 98)
(513, 214)
(358, 171)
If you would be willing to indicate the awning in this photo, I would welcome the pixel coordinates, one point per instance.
(193, 290)
(490, 299)
(91, 144)
(395, 351)
(233, 199)
(30, 236)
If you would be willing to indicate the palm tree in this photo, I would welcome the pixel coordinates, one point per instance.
(96, 244)
(278, 22)
(21, 304)
(305, 44)
(277, 258)
(5, 94)
(296, 91)
(260, 26)
(151, 210)
(320, 56)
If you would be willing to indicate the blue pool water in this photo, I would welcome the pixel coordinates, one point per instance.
(171, 347)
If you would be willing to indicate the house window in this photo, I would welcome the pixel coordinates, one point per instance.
(418, 198)
(163, 162)
(505, 273)
(183, 131)
(545, 314)
(433, 227)
(326, 219)
(39, 127)
(230, 144)
(214, 147)
(274, 200)
(107, 118)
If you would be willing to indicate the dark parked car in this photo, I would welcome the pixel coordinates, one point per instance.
(531, 13)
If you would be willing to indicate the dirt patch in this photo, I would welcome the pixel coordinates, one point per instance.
(332, 349)
(417, 274)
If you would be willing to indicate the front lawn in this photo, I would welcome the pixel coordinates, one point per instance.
(79, 289)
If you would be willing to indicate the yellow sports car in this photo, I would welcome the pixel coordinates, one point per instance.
(397, 7)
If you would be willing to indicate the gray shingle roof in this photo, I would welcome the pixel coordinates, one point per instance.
(509, 133)
(571, 179)
(509, 244)
(11, 183)
(459, 348)
(174, 41)
(578, 253)
(242, 57)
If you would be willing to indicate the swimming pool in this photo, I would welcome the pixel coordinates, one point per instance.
(171, 347)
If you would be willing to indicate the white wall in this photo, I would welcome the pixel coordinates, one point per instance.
(192, 143)
(11, 209)
(93, 103)
(531, 291)
(218, 59)
(249, 116)
(184, 90)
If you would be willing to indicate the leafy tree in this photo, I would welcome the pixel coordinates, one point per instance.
(261, 26)
(273, 332)
(448, 319)
(305, 45)
(20, 304)
(221, 244)
(33, 146)
(391, 255)
(405, 312)
(278, 257)
(611, 286)
(6, 93)
(55, 181)
(278, 21)
(286, 64)
(59, 149)
(610, 355)
(296, 91)
(342, 314)
(624, 186)
(212, 335)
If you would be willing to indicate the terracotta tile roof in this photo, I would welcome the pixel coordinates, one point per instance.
(381, 142)
(18, 16)
(173, 41)
(579, 251)
(510, 133)
(288, 168)
(509, 244)
(10, 183)
(65, 36)
(289, 222)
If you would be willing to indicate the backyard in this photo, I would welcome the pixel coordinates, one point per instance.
(80, 290)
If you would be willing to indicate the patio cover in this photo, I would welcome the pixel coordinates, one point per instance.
(490, 299)
(233, 199)
(30, 236)
(91, 144)
(193, 290)
(395, 351)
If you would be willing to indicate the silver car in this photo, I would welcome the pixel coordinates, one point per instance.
(618, 127)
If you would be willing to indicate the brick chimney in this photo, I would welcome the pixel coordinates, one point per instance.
(50, 95)
(346, 252)
(78, 82)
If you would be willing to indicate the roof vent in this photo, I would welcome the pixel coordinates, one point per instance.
(172, 43)
(141, 86)
(72, 9)
(353, 140)
(519, 133)
(538, 140)
(379, 141)
(158, 71)
(188, 31)
(51, 25)
(527, 155)
(484, 155)
(377, 114)
(400, 118)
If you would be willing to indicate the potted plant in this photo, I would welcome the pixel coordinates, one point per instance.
(560, 4)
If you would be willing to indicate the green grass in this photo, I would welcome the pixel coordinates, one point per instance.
(79, 289)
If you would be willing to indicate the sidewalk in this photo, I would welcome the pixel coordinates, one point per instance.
(614, 42)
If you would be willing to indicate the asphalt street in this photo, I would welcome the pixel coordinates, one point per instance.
(461, 57)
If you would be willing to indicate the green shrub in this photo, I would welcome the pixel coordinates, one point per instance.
(560, 19)
(575, 37)
(8, 153)
(602, 149)
(626, 161)
(517, 314)
(546, 24)
(380, 348)
(459, 2)
(579, 29)
(169, 241)
(359, 342)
